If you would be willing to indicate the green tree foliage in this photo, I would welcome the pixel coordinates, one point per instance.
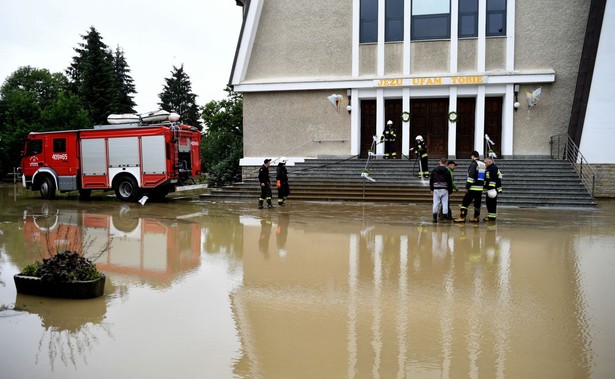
(103, 84)
(222, 144)
(124, 83)
(177, 96)
(34, 99)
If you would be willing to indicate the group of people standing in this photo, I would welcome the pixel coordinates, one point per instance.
(281, 178)
(482, 177)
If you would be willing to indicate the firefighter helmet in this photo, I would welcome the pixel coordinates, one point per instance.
(419, 138)
(389, 122)
(492, 193)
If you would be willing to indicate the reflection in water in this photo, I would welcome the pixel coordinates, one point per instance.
(71, 328)
(151, 250)
(312, 290)
(404, 286)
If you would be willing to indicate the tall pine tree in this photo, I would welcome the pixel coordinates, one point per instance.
(177, 96)
(101, 79)
(124, 102)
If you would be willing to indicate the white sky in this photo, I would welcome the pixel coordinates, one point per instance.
(154, 34)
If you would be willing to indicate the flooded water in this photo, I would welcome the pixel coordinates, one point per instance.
(312, 290)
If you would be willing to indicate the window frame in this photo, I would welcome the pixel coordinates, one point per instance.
(370, 21)
(389, 19)
(423, 35)
(474, 14)
(502, 18)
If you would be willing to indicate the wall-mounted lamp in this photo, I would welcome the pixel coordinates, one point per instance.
(349, 106)
(516, 104)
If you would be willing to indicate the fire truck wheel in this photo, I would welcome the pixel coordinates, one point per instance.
(127, 189)
(48, 188)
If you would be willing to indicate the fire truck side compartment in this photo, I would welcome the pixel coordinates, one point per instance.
(154, 155)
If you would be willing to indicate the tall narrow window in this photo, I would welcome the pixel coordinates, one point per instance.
(394, 20)
(368, 30)
(496, 18)
(468, 18)
(431, 19)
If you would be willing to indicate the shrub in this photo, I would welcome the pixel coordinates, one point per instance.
(67, 266)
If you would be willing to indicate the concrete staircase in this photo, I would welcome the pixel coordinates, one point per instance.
(526, 183)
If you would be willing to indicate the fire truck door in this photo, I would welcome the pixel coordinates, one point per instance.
(63, 160)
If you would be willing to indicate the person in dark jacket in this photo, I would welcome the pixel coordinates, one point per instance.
(265, 183)
(441, 186)
(450, 165)
(420, 148)
(474, 189)
(493, 187)
(281, 178)
(388, 137)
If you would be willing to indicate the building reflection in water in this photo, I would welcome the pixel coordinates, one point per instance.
(426, 300)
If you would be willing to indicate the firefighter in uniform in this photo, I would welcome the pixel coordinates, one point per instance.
(420, 148)
(493, 186)
(265, 183)
(474, 189)
(388, 137)
(281, 178)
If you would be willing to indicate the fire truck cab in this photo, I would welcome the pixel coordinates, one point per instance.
(131, 159)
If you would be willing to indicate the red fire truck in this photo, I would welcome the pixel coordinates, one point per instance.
(133, 159)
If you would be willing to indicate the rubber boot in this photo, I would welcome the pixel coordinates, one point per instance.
(435, 217)
(476, 217)
(260, 204)
(269, 203)
(462, 216)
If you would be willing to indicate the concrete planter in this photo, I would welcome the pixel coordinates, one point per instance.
(31, 285)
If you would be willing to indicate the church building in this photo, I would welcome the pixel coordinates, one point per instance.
(321, 78)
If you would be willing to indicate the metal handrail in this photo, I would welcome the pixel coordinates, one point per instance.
(564, 148)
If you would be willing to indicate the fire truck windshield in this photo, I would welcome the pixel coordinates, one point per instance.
(34, 147)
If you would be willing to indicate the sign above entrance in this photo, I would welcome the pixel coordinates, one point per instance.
(431, 81)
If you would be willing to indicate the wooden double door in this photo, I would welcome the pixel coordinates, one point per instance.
(429, 118)
(392, 111)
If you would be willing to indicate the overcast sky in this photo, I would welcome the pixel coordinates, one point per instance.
(154, 34)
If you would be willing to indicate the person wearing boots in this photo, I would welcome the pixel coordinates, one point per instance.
(474, 189)
(450, 165)
(441, 186)
(265, 183)
(281, 178)
(493, 186)
(388, 137)
(420, 148)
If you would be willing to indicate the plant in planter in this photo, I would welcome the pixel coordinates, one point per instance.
(67, 274)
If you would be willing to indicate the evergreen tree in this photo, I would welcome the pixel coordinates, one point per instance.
(124, 102)
(92, 76)
(177, 96)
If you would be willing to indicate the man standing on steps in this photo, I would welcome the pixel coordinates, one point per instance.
(265, 183)
(474, 189)
(493, 186)
(441, 186)
(388, 137)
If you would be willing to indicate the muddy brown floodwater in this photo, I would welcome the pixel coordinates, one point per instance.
(312, 290)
